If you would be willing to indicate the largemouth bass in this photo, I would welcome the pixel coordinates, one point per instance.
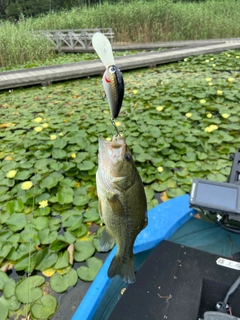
(122, 204)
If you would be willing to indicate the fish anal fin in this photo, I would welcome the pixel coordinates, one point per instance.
(106, 241)
(122, 267)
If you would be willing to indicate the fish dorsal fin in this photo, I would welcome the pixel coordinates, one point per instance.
(103, 47)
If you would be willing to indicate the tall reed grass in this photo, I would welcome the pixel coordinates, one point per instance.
(137, 21)
(19, 44)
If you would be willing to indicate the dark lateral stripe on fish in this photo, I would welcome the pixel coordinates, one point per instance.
(120, 92)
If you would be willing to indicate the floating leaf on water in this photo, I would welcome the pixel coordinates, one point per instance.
(9, 288)
(48, 272)
(81, 231)
(45, 307)
(84, 250)
(27, 289)
(62, 261)
(4, 310)
(89, 273)
(86, 165)
(46, 236)
(16, 221)
(12, 303)
(3, 279)
(61, 283)
(91, 215)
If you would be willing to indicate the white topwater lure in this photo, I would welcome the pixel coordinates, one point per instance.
(113, 83)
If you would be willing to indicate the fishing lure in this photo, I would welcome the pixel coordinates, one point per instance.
(113, 83)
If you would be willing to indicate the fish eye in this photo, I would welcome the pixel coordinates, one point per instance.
(127, 156)
(112, 69)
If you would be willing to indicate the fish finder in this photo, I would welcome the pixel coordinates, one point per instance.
(221, 198)
(215, 196)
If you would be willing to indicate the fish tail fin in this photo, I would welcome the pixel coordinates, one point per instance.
(123, 268)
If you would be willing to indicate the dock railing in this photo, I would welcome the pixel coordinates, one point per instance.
(74, 38)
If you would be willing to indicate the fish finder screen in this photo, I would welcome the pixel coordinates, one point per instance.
(220, 196)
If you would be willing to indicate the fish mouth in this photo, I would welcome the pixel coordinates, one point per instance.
(116, 142)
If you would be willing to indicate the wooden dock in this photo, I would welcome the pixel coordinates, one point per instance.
(48, 75)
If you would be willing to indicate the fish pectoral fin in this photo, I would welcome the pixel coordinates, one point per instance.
(116, 205)
(106, 241)
(100, 208)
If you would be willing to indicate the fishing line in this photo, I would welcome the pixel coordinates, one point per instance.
(29, 256)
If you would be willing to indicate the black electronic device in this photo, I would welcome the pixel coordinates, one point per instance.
(221, 198)
(215, 196)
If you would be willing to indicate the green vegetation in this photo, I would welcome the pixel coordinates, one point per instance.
(181, 121)
(137, 21)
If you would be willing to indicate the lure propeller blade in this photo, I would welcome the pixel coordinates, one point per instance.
(103, 47)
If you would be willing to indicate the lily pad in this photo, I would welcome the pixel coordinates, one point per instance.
(27, 289)
(3, 279)
(83, 250)
(45, 307)
(89, 273)
(61, 283)
(4, 310)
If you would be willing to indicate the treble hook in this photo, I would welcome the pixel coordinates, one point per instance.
(115, 127)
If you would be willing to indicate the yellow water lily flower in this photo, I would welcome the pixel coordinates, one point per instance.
(208, 79)
(160, 169)
(188, 115)
(38, 119)
(73, 156)
(185, 59)
(135, 91)
(207, 60)
(26, 185)
(118, 123)
(38, 129)
(211, 128)
(211, 58)
(213, 65)
(209, 115)
(53, 137)
(159, 108)
(219, 92)
(230, 79)
(45, 125)
(202, 101)
(225, 115)
(60, 134)
(43, 203)
(11, 174)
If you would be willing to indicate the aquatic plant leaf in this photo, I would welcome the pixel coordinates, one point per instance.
(9, 288)
(45, 307)
(3, 279)
(4, 249)
(61, 283)
(62, 261)
(12, 303)
(27, 289)
(4, 310)
(16, 221)
(89, 273)
(83, 250)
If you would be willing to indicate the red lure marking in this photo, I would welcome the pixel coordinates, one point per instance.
(106, 79)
